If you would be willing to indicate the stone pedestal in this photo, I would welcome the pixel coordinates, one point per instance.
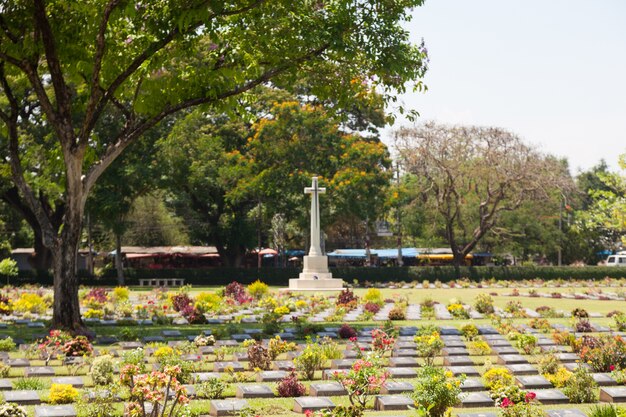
(315, 276)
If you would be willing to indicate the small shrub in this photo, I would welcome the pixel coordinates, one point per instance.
(347, 299)
(330, 348)
(258, 289)
(276, 346)
(30, 303)
(373, 295)
(181, 301)
(496, 378)
(458, 311)
(606, 410)
(583, 326)
(237, 292)
(397, 313)
(62, 394)
(12, 410)
(437, 390)
(559, 378)
(4, 370)
(289, 386)
(310, 360)
(102, 370)
(620, 320)
(526, 342)
(580, 388)
(211, 389)
(78, 346)
(7, 344)
(428, 346)
(121, 293)
(548, 364)
(208, 301)
(346, 331)
(483, 303)
(371, 307)
(258, 357)
(479, 348)
(5, 305)
(580, 313)
(35, 384)
(469, 331)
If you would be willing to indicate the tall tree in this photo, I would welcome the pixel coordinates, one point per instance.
(469, 176)
(144, 60)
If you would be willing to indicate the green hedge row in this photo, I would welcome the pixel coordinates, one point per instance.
(280, 276)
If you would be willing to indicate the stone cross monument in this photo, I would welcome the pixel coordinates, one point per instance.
(315, 275)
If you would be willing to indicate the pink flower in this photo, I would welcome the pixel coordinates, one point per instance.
(308, 413)
(506, 403)
(612, 367)
(530, 396)
(353, 339)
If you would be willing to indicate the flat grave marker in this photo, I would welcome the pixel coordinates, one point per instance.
(22, 397)
(254, 391)
(477, 399)
(228, 407)
(533, 382)
(393, 402)
(271, 376)
(396, 387)
(613, 395)
(312, 403)
(55, 411)
(327, 389)
(551, 396)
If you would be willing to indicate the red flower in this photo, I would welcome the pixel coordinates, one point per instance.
(353, 339)
(612, 367)
(506, 403)
(530, 396)
(308, 413)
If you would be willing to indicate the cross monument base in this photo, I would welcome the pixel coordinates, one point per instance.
(315, 276)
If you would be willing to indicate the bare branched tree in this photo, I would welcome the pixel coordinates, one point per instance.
(469, 175)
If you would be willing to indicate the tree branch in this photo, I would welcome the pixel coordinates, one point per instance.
(56, 73)
(96, 90)
(132, 133)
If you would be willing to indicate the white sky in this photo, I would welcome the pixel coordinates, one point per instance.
(552, 71)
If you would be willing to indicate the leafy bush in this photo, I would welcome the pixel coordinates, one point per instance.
(12, 410)
(237, 292)
(580, 313)
(7, 344)
(397, 313)
(78, 346)
(93, 314)
(620, 321)
(540, 324)
(276, 346)
(483, 303)
(458, 311)
(374, 296)
(346, 331)
(8, 268)
(310, 360)
(478, 348)
(606, 410)
(121, 293)
(347, 299)
(30, 303)
(135, 357)
(526, 342)
(208, 301)
(62, 394)
(5, 305)
(363, 380)
(437, 390)
(548, 364)
(211, 389)
(428, 346)
(330, 348)
(371, 307)
(102, 370)
(193, 315)
(559, 378)
(497, 378)
(202, 340)
(289, 386)
(4, 370)
(181, 301)
(35, 384)
(583, 326)
(258, 357)
(603, 353)
(469, 331)
(258, 289)
(580, 388)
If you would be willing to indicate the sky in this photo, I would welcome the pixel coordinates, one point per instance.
(551, 71)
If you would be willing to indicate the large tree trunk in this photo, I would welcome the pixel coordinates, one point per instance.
(66, 307)
(118, 259)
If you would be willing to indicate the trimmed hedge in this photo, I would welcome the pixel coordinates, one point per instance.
(280, 276)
